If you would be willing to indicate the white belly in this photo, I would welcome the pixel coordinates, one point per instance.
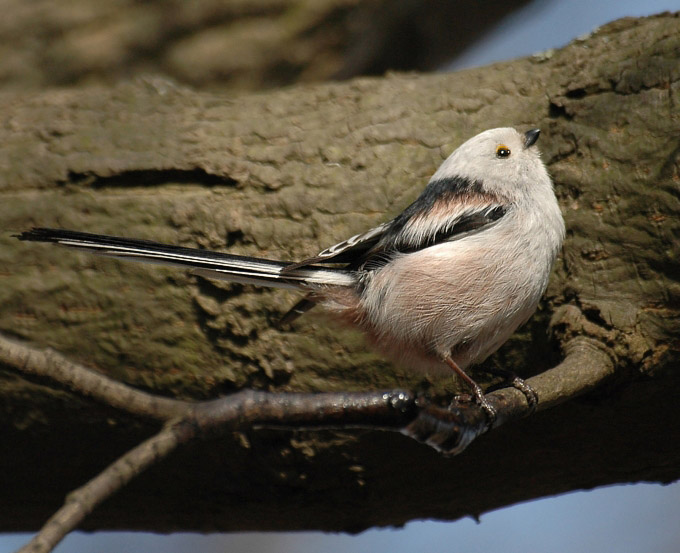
(451, 299)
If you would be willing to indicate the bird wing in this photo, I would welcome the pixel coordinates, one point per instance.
(424, 223)
(448, 209)
(345, 251)
(421, 230)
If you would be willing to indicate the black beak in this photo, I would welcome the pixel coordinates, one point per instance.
(530, 137)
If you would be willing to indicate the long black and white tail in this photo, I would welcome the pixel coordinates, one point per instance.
(223, 266)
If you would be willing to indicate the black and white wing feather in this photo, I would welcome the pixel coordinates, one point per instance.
(448, 209)
(346, 251)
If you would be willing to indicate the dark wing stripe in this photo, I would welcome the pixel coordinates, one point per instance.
(345, 251)
(468, 222)
(377, 246)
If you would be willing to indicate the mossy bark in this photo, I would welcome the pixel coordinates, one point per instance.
(283, 175)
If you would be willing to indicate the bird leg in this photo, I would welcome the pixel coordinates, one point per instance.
(476, 389)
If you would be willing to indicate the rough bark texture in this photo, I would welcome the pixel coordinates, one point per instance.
(240, 44)
(283, 175)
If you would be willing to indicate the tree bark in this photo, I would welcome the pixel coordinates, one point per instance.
(284, 175)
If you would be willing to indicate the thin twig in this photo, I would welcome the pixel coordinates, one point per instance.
(450, 429)
(82, 501)
(48, 364)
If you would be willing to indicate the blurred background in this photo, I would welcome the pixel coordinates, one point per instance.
(239, 46)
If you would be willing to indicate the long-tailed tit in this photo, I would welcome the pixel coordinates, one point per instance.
(441, 286)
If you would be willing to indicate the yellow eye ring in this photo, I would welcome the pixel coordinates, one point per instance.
(502, 151)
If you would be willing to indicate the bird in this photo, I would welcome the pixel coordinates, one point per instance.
(439, 287)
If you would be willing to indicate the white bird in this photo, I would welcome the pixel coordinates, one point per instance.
(441, 286)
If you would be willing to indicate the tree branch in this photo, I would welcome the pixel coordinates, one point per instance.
(449, 430)
(47, 363)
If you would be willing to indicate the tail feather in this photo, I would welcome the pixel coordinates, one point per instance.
(223, 266)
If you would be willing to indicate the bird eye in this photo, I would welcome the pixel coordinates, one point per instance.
(502, 151)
